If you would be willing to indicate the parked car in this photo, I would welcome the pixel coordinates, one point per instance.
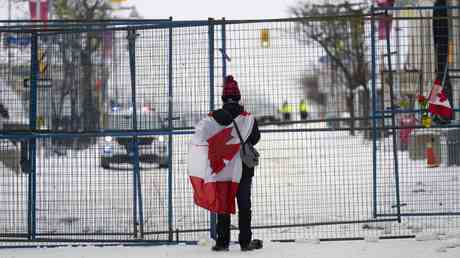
(153, 150)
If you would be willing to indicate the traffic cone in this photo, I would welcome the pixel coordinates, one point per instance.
(432, 162)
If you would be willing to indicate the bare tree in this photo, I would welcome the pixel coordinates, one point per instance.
(339, 30)
(77, 50)
(84, 10)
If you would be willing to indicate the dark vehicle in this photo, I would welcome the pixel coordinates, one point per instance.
(13, 151)
(117, 151)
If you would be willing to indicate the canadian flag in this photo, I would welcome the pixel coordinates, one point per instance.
(438, 103)
(214, 162)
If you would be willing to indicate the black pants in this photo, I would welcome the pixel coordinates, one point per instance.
(287, 116)
(303, 115)
(243, 198)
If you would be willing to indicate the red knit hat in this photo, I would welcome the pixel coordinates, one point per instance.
(231, 90)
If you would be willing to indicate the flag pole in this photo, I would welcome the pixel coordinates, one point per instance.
(38, 9)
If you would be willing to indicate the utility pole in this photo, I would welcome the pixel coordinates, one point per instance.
(50, 9)
(398, 58)
(9, 10)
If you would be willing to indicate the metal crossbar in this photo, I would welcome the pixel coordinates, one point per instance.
(100, 115)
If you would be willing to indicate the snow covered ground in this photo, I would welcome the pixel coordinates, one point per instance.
(407, 248)
(305, 178)
(321, 181)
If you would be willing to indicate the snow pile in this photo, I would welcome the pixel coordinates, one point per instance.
(426, 236)
(206, 242)
(449, 240)
(371, 239)
(453, 234)
(449, 244)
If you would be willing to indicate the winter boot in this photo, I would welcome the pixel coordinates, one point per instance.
(253, 245)
(219, 248)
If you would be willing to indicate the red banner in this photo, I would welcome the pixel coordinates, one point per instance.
(384, 29)
(385, 3)
(385, 21)
(43, 10)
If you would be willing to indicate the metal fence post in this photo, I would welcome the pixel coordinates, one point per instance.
(224, 49)
(137, 195)
(213, 216)
(170, 125)
(374, 118)
(393, 120)
(32, 146)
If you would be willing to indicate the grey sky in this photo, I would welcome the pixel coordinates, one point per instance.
(203, 9)
(191, 9)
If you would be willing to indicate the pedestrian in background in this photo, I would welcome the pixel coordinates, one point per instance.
(303, 109)
(286, 110)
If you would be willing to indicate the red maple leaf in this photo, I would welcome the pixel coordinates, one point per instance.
(421, 99)
(442, 96)
(220, 151)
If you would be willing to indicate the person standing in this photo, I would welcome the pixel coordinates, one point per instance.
(217, 183)
(286, 111)
(303, 109)
(231, 97)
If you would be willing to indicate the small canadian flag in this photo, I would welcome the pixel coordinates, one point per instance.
(438, 103)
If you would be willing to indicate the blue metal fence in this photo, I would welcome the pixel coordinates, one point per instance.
(99, 149)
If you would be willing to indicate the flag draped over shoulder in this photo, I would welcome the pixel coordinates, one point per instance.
(214, 162)
(438, 103)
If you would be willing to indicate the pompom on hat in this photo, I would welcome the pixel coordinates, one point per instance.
(230, 90)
